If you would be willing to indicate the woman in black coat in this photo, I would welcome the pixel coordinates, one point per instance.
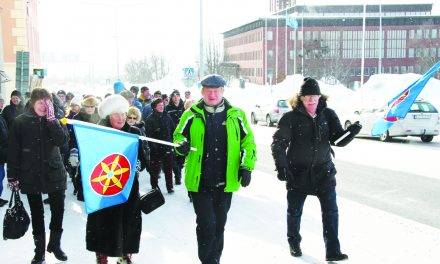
(115, 231)
(35, 166)
(307, 132)
(159, 125)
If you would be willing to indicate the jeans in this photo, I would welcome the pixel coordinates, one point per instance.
(37, 212)
(330, 218)
(2, 176)
(211, 208)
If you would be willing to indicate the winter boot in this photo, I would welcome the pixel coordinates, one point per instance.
(40, 245)
(101, 258)
(336, 257)
(55, 247)
(295, 250)
(126, 259)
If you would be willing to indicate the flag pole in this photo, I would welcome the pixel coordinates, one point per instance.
(285, 49)
(65, 121)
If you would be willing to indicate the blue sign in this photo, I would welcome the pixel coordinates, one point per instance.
(189, 72)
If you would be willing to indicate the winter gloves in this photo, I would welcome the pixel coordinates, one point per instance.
(50, 116)
(183, 148)
(244, 176)
(284, 174)
(354, 128)
(13, 184)
(73, 157)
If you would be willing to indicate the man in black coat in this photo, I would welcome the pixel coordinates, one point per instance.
(14, 109)
(307, 132)
(160, 126)
(175, 109)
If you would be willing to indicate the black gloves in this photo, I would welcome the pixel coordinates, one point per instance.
(184, 148)
(244, 177)
(284, 174)
(354, 128)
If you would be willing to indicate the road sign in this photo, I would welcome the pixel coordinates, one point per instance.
(188, 72)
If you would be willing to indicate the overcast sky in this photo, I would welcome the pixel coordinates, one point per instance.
(143, 27)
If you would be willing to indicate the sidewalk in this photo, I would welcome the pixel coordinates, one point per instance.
(255, 232)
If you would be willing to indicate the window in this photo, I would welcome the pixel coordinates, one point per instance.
(292, 35)
(291, 54)
(269, 35)
(367, 71)
(315, 35)
(388, 69)
(358, 71)
(270, 54)
(308, 35)
(300, 35)
(426, 33)
(433, 52)
(373, 70)
(411, 53)
(396, 69)
(402, 69)
(434, 33)
(411, 34)
(411, 68)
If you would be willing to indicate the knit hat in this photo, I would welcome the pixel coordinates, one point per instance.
(16, 93)
(118, 86)
(309, 87)
(113, 104)
(213, 81)
(89, 101)
(76, 100)
(127, 94)
(174, 93)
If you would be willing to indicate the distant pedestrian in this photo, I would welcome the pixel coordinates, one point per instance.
(224, 159)
(2, 104)
(302, 152)
(145, 96)
(159, 125)
(3, 155)
(175, 109)
(14, 109)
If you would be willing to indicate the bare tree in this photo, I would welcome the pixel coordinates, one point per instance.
(213, 57)
(146, 69)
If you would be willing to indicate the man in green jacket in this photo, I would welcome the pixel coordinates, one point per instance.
(224, 157)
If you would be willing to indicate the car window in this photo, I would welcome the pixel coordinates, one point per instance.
(283, 103)
(422, 107)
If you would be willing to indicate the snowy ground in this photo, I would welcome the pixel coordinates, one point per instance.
(255, 232)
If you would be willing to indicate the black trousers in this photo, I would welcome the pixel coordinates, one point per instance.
(211, 208)
(178, 162)
(37, 211)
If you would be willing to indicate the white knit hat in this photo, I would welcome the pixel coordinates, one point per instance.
(113, 104)
(76, 100)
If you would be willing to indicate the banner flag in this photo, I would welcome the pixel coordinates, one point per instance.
(399, 106)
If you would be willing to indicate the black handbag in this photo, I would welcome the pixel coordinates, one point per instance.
(151, 201)
(16, 221)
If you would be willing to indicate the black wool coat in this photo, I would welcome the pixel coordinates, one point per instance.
(308, 143)
(159, 126)
(34, 157)
(11, 111)
(115, 231)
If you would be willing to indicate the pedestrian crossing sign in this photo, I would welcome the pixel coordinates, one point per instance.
(188, 72)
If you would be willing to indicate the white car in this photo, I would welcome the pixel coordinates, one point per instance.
(269, 112)
(422, 121)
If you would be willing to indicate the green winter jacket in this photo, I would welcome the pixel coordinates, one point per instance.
(240, 144)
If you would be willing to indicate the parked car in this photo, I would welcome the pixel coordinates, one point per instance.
(270, 112)
(422, 121)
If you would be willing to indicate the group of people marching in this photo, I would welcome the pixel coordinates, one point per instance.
(215, 146)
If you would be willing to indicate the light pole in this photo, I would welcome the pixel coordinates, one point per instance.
(201, 59)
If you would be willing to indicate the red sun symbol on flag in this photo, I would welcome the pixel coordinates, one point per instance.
(110, 175)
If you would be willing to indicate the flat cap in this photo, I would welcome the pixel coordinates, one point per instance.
(213, 81)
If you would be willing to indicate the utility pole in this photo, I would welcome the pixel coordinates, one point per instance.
(201, 60)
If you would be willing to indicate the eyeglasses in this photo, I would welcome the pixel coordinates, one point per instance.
(132, 117)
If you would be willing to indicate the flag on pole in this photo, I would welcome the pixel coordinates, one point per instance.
(399, 106)
(291, 21)
(108, 164)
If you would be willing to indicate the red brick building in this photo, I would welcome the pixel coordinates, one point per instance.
(328, 43)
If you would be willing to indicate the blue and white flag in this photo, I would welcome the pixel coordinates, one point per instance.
(399, 106)
(291, 21)
(108, 164)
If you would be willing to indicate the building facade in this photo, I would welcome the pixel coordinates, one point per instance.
(328, 43)
(19, 33)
